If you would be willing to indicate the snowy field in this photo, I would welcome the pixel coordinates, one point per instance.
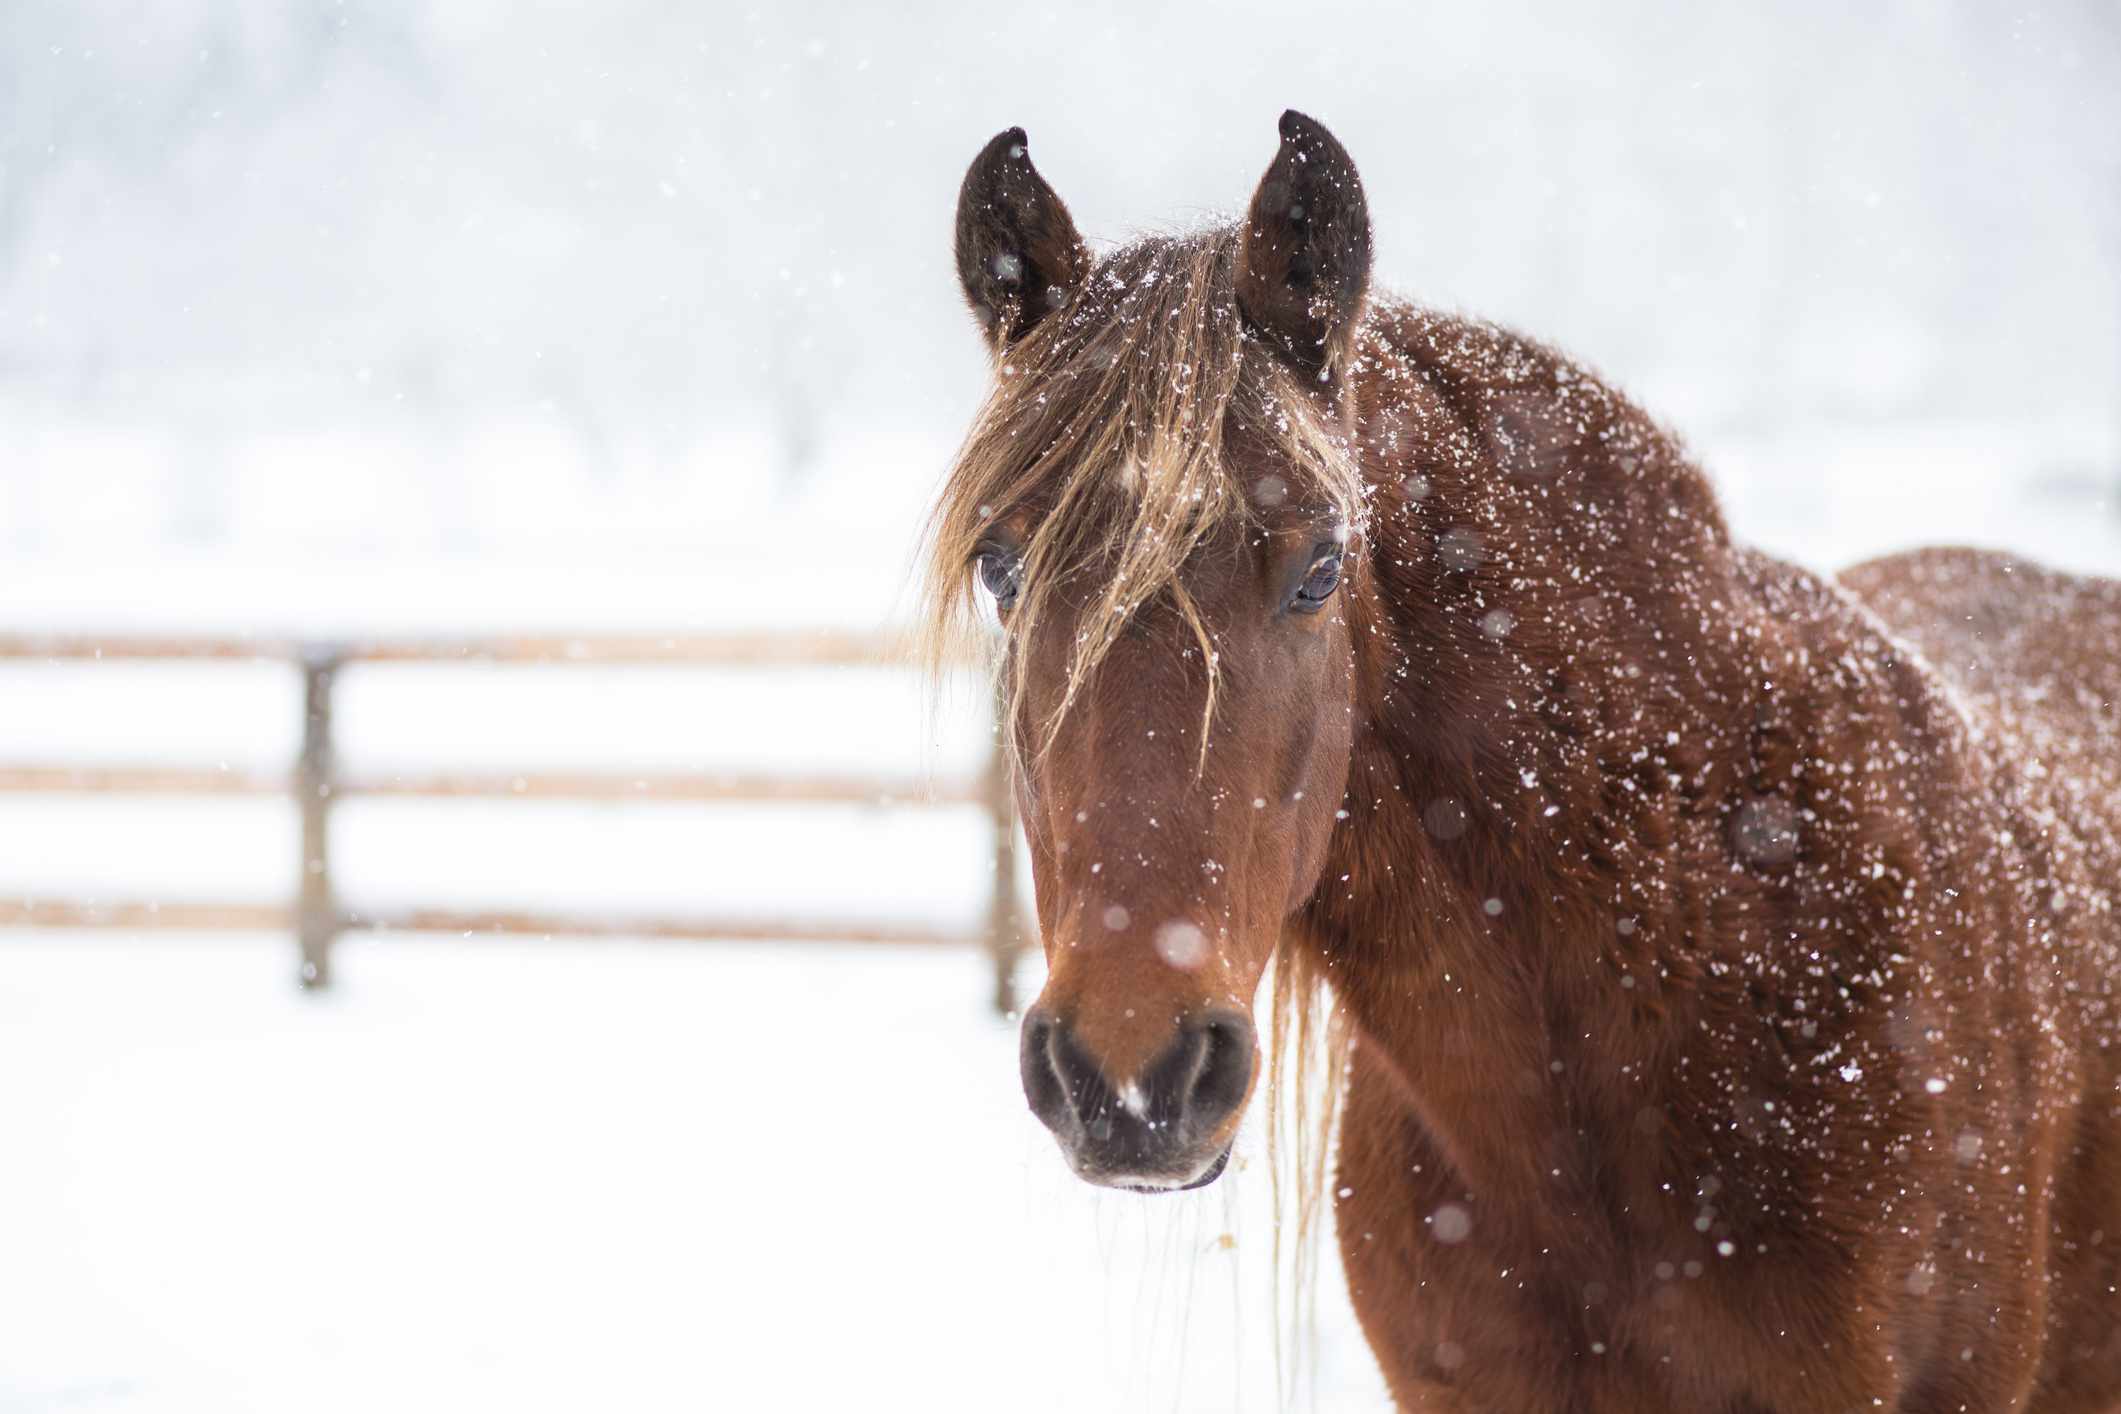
(552, 1175)
(481, 1176)
(374, 318)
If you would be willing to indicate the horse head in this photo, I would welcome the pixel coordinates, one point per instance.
(1160, 503)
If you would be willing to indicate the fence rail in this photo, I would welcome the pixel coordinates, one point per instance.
(317, 917)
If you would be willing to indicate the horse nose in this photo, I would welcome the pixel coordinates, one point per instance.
(1146, 1124)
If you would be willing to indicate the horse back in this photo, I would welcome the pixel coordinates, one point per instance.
(2033, 655)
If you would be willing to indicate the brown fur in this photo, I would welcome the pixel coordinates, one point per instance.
(1729, 953)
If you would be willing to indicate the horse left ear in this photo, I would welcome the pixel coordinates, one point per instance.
(1019, 256)
(1305, 263)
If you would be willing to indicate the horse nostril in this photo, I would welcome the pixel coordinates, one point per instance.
(1223, 1075)
(1060, 1081)
(1042, 1085)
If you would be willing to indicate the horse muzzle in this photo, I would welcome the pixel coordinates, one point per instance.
(1166, 1129)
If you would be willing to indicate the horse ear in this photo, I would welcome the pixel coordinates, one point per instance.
(1018, 254)
(1305, 262)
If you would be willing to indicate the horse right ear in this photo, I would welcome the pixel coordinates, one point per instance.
(1305, 264)
(1018, 254)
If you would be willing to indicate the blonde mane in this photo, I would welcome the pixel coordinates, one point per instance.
(1107, 430)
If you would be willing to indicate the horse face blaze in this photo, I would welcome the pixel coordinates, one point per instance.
(1164, 872)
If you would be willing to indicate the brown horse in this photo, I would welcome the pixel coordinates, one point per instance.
(1728, 953)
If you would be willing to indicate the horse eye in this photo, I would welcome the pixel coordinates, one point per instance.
(1001, 572)
(1319, 583)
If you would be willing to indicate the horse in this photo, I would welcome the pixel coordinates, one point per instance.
(1726, 953)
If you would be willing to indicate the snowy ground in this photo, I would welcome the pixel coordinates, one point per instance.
(542, 1177)
(548, 1175)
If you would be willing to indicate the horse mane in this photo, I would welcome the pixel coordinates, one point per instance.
(1106, 436)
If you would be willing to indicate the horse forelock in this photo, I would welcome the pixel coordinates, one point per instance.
(1105, 444)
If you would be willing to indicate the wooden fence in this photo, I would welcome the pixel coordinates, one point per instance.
(317, 917)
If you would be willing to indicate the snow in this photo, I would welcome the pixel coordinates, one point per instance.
(644, 322)
(540, 1176)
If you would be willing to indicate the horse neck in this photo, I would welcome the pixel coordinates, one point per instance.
(1552, 608)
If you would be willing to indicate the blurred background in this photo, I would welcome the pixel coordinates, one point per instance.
(389, 322)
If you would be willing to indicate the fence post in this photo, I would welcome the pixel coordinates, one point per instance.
(317, 920)
(1005, 931)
